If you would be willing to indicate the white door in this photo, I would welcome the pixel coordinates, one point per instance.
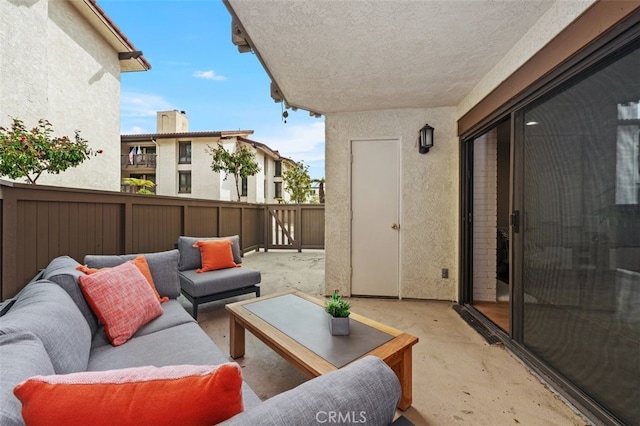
(375, 226)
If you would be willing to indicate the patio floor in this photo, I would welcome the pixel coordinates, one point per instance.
(457, 377)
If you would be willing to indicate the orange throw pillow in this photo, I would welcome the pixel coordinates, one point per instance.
(216, 254)
(121, 299)
(87, 270)
(172, 395)
(141, 264)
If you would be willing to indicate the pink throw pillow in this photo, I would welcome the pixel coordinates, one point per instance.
(122, 300)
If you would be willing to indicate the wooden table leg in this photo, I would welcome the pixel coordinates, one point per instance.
(236, 338)
(405, 375)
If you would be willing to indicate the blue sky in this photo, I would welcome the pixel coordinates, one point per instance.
(196, 68)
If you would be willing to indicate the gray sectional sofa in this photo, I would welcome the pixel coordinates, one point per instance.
(49, 328)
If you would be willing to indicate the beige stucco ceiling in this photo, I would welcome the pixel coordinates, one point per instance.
(355, 55)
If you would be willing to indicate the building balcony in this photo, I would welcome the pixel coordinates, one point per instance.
(144, 161)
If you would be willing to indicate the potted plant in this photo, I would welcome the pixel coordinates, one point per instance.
(338, 310)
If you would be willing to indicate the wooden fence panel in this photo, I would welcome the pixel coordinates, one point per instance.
(230, 221)
(312, 228)
(252, 225)
(203, 221)
(155, 227)
(297, 226)
(39, 223)
(48, 229)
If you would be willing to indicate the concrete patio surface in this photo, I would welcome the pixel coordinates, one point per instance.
(457, 377)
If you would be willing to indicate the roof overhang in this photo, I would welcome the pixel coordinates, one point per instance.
(259, 146)
(147, 137)
(130, 58)
(328, 56)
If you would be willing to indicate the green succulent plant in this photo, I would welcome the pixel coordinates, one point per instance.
(337, 307)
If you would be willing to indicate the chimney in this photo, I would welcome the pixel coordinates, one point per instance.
(172, 122)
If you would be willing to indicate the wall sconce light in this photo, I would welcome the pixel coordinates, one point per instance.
(425, 139)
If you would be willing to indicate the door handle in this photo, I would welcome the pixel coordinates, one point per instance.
(515, 221)
(395, 226)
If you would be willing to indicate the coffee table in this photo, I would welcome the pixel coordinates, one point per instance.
(277, 321)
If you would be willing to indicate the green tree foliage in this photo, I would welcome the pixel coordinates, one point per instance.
(140, 186)
(297, 182)
(29, 153)
(240, 163)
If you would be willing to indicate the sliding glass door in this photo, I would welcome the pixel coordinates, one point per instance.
(578, 245)
(550, 210)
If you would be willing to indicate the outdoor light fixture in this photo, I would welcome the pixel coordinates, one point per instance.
(425, 139)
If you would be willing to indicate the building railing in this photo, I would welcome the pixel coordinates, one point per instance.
(134, 189)
(145, 161)
(40, 223)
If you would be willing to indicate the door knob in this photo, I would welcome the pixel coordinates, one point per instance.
(395, 226)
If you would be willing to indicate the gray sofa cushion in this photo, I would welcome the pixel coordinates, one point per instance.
(46, 310)
(62, 271)
(183, 344)
(190, 257)
(365, 392)
(22, 355)
(163, 266)
(5, 305)
(212, 282)
(174, 314)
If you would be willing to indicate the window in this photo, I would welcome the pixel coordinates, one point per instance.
(278, 168)
(278, 193)
(244, 186)
(184, 182)
(184, 153)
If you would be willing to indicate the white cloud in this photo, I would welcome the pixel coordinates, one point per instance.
(134, 130)
(209, 75)
(303, 142)
(136, 104)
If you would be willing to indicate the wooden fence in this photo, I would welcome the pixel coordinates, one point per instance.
(40, 223)
(294, 226)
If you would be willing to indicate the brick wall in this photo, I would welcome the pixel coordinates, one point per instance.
(485, 165)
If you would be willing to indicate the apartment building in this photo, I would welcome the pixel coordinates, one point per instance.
(177, 161)
(62, 61)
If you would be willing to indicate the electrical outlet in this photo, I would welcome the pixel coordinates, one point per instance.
(445, 273)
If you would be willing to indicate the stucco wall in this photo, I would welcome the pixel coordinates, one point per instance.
(256, 183)
(65, 72)
(429, 198)
(166, 167)
(204, 182)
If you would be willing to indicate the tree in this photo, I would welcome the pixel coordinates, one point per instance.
(297, 182)
(240, 164)
(320, 183)
(29, 153)
(140, 186)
